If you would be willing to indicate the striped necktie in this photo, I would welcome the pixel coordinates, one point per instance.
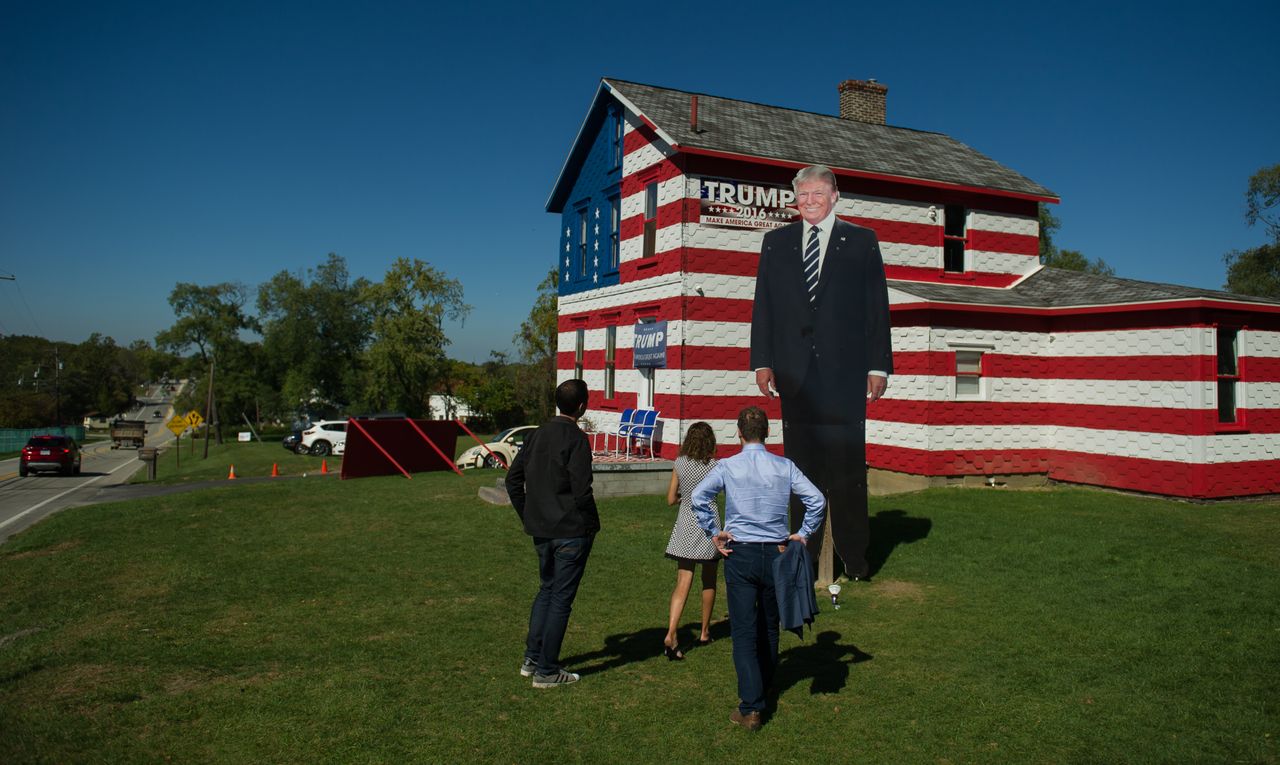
(811, 264)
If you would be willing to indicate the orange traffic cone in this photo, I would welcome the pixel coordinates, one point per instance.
(324, 467)
(275, 470)
(232, 475)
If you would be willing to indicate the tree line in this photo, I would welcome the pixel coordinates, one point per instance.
(319, 342)
(325, 343)
(43, 382)
(1256, 271)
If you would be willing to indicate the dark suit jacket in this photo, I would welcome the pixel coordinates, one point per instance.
(846, 330)
(549, 482)
(793, 584)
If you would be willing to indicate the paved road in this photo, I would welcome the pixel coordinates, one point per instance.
(25, 501)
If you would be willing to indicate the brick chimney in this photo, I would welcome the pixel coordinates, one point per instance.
(863, 101)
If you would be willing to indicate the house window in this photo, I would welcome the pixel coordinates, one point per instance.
(579, 345)
(1228, 374)
(615, 229)
(968, 374)
(618, 123)
(953, 239)
(610, 359)
(582, 242)
(650, 219)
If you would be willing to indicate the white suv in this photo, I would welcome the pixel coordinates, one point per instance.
(324, 438)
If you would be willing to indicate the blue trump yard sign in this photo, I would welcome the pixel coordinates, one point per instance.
(650, 345)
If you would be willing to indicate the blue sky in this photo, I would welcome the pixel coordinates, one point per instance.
(142, 144)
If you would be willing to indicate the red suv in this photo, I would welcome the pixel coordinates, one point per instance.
(58, 453)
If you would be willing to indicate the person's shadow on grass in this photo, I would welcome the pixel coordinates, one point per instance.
(888, 529)
(825, 660)
(627, 647)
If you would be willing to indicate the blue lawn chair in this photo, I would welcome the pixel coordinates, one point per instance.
(624, 429)
(643, 431)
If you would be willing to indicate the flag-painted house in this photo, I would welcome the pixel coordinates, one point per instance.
(1002, 367)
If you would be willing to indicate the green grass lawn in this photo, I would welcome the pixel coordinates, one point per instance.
(382, 620)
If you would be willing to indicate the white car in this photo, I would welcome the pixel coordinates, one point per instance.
(505, 445)
(324, 438)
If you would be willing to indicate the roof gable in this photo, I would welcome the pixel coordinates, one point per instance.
(580, 148)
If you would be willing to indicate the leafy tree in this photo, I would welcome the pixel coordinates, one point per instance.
(537, 342)
(406, 362)
(27, 408)
(1262, 196)
(1049, 225)
(27, 397)
(1256, 271)
(1073, 260)
(489, 390)
(154, 363)
(42, 380)
(211, 320)
(98, 377)
(314, 331)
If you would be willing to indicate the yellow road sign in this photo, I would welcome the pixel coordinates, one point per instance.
(178, 424)
(194, 419)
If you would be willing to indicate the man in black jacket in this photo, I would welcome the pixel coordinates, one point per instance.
(549, 484)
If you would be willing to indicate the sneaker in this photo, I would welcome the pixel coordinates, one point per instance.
(526, 668)
(554, 681)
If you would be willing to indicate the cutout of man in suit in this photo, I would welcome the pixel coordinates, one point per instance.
(820, 341)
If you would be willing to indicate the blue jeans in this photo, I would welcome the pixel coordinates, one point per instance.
(561, 563)
(753, 619)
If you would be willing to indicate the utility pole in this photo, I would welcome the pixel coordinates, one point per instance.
(208, 408)
(57, 390)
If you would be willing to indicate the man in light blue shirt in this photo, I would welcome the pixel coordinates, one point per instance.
(758, 488)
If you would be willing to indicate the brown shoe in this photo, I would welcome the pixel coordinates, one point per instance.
(750, 721)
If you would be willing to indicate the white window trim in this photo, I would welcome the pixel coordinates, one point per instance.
(984, 389)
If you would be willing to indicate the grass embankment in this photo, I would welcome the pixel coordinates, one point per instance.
(382, 620)
(250, 458)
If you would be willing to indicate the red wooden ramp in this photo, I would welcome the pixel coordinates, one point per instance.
(405, 446)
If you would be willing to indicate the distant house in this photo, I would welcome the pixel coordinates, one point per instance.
(445, 407)
(96, 420)
(1002, 367)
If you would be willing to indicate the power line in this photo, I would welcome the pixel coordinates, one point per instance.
(30, 313)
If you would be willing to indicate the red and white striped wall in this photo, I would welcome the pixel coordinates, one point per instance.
(1134, 409)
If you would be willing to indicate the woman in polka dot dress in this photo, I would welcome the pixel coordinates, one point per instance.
(689, 544)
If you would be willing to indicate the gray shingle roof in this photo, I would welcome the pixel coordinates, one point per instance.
(773, 132)
(1059, 288)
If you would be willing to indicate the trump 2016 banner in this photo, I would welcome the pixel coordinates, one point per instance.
(738, 204)
(650, 346)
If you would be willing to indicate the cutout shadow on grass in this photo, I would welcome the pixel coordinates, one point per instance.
(824, 662)
(888, 529)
